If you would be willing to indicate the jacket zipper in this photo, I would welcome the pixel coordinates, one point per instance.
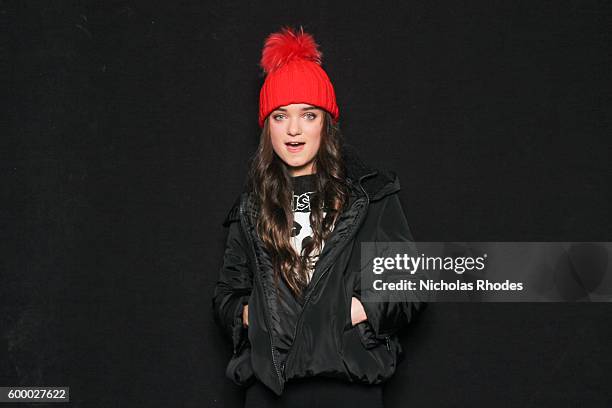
(247, 233)
(327, 268)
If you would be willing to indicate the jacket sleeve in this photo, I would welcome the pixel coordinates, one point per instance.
(387, 317)
(235, 283)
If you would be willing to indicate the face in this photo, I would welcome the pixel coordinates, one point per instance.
(295, 131)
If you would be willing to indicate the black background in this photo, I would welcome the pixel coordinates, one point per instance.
(129, 128)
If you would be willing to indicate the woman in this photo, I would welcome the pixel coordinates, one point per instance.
(289, 290)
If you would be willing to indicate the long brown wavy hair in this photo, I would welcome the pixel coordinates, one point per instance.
(270, 180)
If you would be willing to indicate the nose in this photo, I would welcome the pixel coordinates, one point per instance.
(293, 127)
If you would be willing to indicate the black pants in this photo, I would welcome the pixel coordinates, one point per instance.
(315, 392)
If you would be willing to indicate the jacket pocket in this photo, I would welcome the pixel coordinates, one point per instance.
(239, 368)
(367, 358)
(368, 337)
(366, 332)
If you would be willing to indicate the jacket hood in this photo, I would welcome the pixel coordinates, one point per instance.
(376, 183)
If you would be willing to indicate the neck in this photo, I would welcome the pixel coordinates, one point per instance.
(302, 171)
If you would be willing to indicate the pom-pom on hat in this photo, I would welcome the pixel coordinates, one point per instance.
(292, 62)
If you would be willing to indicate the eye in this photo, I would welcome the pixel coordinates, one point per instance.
(311, 116)
(277, 116)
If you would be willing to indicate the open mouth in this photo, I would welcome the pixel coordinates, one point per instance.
(295, 147)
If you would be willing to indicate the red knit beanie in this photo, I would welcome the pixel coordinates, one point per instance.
(292, 63)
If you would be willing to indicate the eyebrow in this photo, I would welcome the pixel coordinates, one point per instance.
(303, 109)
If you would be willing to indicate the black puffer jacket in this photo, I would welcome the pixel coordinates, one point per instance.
(286, 339)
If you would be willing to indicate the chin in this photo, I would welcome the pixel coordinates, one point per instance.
(296, 163)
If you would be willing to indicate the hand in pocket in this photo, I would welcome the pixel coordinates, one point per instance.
(245, 315)
(358, 313)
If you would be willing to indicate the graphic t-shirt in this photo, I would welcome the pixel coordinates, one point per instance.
(303, 190)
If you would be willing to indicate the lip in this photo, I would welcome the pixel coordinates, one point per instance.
(295, 149)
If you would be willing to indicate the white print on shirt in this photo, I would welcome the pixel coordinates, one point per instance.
(301, 202)
(302, 231)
